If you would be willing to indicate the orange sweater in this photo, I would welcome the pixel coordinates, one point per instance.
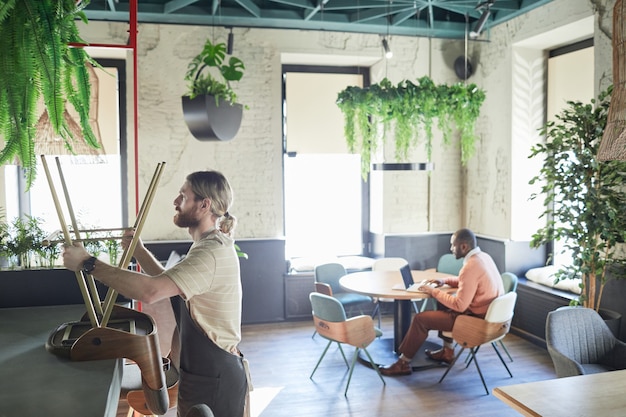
(479, 283)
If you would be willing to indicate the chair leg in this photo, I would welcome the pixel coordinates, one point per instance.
(377, 311)
(314, 333)
(495, 347)
(473, 353)
(451, 365)
(374, 366)
(470, 356)
(343, 354)
(321, 357)
(356, 352)
(505, 350)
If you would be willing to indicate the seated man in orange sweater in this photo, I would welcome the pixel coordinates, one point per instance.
(478, 283)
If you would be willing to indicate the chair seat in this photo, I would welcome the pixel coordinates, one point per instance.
(350, 299)
(596, 368)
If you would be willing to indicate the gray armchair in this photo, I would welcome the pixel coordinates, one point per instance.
(579, 343)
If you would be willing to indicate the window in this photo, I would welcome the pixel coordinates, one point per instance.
(325, 207)
(94, 182)
(566, 85)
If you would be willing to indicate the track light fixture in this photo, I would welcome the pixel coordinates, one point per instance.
(229, 45)
(480, 24)
(388, 51)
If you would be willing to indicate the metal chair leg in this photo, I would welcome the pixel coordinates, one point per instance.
(505, 350)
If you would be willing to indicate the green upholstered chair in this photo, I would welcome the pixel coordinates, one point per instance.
(329, 275)
(448, 264)
(331, 323)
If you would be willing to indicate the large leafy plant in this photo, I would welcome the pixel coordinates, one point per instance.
(408, 111)
(201, 82)
(584, 198)
(39, 63)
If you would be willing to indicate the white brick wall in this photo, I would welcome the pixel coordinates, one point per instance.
(452, 196)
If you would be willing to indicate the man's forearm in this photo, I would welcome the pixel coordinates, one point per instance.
(126, 282)
(149, 264)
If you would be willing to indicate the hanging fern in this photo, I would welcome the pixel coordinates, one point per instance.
(38, 63)
(408, 111)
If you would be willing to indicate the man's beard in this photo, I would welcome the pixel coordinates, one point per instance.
(185, 220)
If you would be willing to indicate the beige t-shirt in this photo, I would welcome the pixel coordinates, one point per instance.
(210, 282)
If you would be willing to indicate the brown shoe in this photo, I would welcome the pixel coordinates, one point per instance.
(441, 355)
(401, 367)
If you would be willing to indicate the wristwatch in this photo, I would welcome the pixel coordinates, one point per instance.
(89, 265)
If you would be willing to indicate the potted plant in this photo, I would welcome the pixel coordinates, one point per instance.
(39, 63)
(408, 110)
(584, 198)
(210, 107)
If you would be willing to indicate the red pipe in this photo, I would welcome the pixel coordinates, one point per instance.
(133, 44)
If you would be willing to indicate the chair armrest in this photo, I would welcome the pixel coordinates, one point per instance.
(563, 365)
(617, 358)
(323, 288)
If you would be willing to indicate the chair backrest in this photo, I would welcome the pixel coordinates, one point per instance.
(501, 309)
(330, 322)
(329, 274)
(327, 308)
(509, 280)
(448, 264)
(471, 331)
(388, 264)
(579, 333)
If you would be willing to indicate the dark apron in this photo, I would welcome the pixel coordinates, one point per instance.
(208, 375)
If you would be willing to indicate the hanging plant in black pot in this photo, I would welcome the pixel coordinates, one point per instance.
(210, 107)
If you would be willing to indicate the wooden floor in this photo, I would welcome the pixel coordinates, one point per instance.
(283, 355)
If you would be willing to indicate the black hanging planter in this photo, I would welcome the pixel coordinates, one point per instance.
(208, 121)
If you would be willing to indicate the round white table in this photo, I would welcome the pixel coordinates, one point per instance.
(380, 284)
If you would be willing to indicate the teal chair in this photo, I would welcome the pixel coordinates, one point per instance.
(332, 324)
(509, 280)
(448, 264)
(327, 282)
(328, 276)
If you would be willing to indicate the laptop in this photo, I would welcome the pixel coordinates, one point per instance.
(407, 279)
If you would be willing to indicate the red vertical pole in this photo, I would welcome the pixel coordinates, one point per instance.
(133, 44)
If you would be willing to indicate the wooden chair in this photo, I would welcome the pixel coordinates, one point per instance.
(331, 323)
(131, 392)
(327, 282)
(473, 332)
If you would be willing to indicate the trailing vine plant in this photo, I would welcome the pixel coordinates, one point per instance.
(409, 111)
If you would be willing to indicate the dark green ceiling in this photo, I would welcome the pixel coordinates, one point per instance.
(424, 18)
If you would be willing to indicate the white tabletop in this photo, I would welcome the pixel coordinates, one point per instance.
(381, 283)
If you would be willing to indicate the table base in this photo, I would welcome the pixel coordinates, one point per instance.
(383, 354)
